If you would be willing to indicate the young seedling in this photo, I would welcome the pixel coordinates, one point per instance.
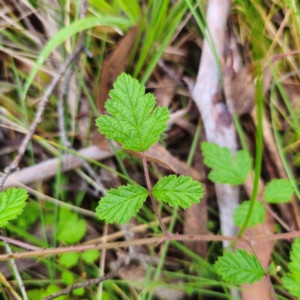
(137, 125)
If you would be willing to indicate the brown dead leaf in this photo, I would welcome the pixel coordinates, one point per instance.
(159, 152)
(113, 66)
(259, 290)
(167, 88)
(150, 158)
(243, 89)
(196, 217)
(162, 156)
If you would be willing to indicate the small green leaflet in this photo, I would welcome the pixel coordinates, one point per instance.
(226, 169)
(182, 191)
(239, 267)
(291, 281)
(90, 256)
(67, 277)
(134, 122)
(121, 204)
(257, 216)
(278, 191)
(71, 229)
(12, 202)
(78, 291)
(69, 260)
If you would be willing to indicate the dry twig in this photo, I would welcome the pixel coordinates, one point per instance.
(123, 259)
(38, 117)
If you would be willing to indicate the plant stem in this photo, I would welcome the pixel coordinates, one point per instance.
(273, 293)
(147, 241)
(149, 187)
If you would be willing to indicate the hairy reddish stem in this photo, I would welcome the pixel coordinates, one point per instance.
(149, 187)
(152, 240)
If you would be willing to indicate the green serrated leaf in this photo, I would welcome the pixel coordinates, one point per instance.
(71, 229)
(90, 256)
(291, 281)
(278, 191)
(134, 122)
(239, 267)
(121, 204)
(257, 217)
(295, 257)
(69, 260)
(182, 191)
(226, 169)
(12, 202)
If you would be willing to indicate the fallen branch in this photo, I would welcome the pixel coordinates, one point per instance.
(48, 168)
(217, 121)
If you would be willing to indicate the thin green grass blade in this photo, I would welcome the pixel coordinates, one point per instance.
(158, 54)
(259, 149)
(102, 6)
(131, 8)
(66, 33)
(152, 32)
(278, 141)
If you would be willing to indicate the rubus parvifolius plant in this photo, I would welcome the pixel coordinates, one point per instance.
(137, 125)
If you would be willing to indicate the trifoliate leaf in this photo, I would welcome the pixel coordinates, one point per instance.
(69, 260)
(291, 281)
(182, 191)
(239, 267)
(121, 204)
(12, 202)
(90, 256)
(134, 122)
(278, 191)
(257, 216)
(226, 169)
(71, 229)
